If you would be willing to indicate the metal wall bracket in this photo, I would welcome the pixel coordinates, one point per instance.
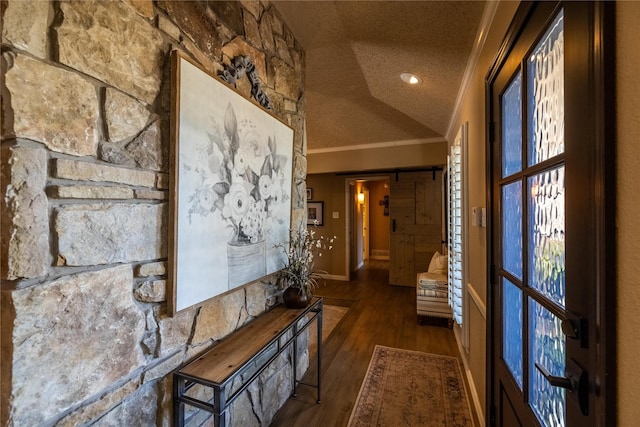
(243, 66)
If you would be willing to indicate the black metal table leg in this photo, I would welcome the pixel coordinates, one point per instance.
(319, 321)
(295, 360)
(178, 406)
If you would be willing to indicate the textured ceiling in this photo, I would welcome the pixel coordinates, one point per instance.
(355, 53)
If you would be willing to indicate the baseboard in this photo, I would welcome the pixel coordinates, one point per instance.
(380, 254)
(406, 285)
(335, 277)
(472, 387)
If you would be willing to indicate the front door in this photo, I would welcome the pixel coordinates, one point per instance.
(550, 322)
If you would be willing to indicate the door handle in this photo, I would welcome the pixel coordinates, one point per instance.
(576, 382)
(393, 225)
(563, 382)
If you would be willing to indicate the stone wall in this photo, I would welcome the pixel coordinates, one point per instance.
(86, 90)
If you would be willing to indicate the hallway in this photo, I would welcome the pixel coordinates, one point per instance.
(379, 314)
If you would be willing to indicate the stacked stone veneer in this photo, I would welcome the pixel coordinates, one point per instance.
(86, 90)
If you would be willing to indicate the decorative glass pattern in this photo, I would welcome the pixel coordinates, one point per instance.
(547, 234)
(547, 348)
(512, 228)
(512, 329)
(546, 95)
(512, 127)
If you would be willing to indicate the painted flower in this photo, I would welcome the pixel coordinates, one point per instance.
(254, 148)
(240, 163)
(237, 202)
(277, 206)
(207, 198)
(264, 186)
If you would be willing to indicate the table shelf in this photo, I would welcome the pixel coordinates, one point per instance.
(229, 367)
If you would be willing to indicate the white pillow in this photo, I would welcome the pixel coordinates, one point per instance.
(438, 264)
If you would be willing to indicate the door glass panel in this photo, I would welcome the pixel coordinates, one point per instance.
(512, 127)
(512, 329)
(546, 95)
(546, 234)
(512, 228)
(547, 348)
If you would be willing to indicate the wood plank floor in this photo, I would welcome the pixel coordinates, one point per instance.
(380, 314)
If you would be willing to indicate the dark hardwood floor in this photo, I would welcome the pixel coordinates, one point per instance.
(380, 314)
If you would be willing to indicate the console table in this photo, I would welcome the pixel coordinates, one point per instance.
(229, 367)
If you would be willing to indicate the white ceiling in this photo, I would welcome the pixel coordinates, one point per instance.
(355, 53)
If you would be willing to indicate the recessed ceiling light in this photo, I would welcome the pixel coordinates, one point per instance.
(412, 79)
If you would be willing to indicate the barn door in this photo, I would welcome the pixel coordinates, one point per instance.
(415, 209)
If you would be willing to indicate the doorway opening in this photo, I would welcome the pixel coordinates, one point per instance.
(369, 231)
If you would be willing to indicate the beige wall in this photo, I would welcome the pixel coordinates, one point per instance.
(330, 189)
(628, 220)
(473, 111)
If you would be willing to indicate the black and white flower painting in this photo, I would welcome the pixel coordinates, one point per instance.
(233, 204)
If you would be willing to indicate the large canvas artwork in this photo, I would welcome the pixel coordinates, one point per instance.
(230, 188)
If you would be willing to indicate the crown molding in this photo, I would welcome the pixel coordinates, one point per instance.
(377, 145)
(481, 37)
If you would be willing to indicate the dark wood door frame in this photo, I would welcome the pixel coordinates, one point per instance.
(597, 115)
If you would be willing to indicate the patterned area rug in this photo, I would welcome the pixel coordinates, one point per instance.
(410, 388)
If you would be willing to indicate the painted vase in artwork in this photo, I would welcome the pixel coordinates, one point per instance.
(246, 261)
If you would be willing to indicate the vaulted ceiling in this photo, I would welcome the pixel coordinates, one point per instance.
(355, 53)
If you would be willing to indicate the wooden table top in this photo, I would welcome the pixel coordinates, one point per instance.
(233, 351)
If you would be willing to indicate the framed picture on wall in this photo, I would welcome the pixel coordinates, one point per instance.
(230, 199)
(309, 193)
(315, 213)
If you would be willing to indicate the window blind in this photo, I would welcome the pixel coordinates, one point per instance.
(454, 167)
